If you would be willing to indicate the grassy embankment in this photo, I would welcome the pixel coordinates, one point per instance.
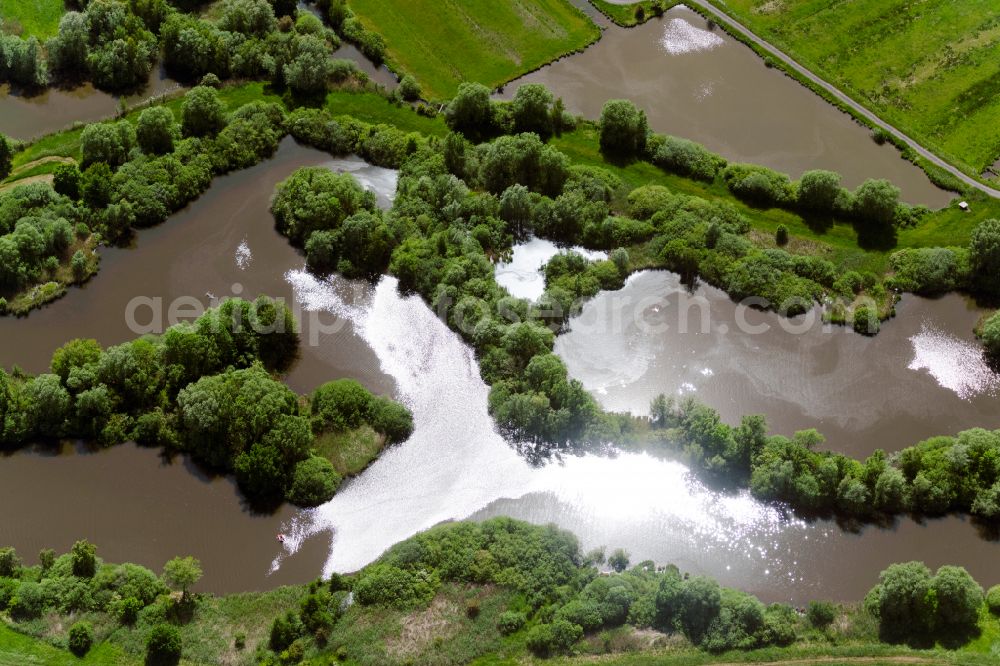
(32, 18)
(445, 43)
(930, 68)
(628, 15)
(443, 632)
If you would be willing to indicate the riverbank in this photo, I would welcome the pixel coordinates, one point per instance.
(495, 592)
(953, 91)
(940, 173)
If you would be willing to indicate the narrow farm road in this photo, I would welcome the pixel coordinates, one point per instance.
(845, 99)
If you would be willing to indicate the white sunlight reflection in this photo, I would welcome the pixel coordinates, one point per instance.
(456, 463)
(955, 364)
(679, 37)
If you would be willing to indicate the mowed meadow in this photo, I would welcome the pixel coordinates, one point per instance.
(445, 42)
(31, 18)
(931, 68)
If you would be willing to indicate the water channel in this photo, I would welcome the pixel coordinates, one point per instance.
(919, 377)
(695, 81)
(138, 507)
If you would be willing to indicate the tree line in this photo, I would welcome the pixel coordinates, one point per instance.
(115, 44)
(205, 388)
(945, 474)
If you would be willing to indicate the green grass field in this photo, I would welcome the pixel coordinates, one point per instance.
(27, 18)
(20, 650)
(445, 42)
(352, 451)
(931, 68)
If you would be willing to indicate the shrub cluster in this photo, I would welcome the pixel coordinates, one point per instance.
(934, 477)
(114, 44)
(203, 388)
(919, 608)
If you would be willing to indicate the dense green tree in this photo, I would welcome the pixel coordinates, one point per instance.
(821, 614)
(818, 190)
(395, 587)
(262, 472)
(700, 601)
(958, 598)
(340, 405)
(81, 638)
(310, 68)
(156, 131)
(67, 51)
(6, 156)
(249, 17)
(66, 180)
(390, 418)
(471, 112)
(96, 185)
(618, 560)
(314, 482)
(84, 559)
(76, 353)
(46, 558)
(193, 48)
(984, 257)
(10, 563)
(928, 270)
(530, 109)
(623, 129)
(163, 646)
(875, 202)
(202, 113)
(990, 335)
(28, 601)
(409, 89)
(759, 185)
(122, 64)
(48, 405)
(181, 573)
(152, 12)
(904, 602)
(284, 630)
(523, 159)
(993, 600)
(315, 198)
(781, 235)
(21, 62)
(109, 143)
(685, 157)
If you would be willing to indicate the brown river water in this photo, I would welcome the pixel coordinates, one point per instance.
(126, 500)
(697, 82)
(919, 377)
